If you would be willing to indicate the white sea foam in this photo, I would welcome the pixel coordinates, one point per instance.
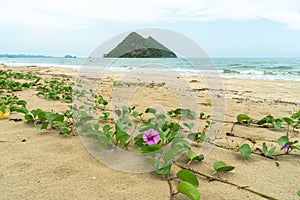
(253, 68)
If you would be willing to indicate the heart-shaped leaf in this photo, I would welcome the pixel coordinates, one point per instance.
(296, 115)
(189, 126)
(243, 117)
(283, 140)
(164, 170)
(29, 117)
(188, 176)
(193, 136)
(135, 113)
(288, 120)
(65, 131)
(189, 190)
(20, 110)
(220, 166)
(193, 156)
(151, 148)
(150, 110)
(245, 150)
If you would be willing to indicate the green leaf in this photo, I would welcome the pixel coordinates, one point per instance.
(22, 103)
(155, 163)
(29, 117)
(298, 193)
(201, 115)
(105, 116)
(169, 155)
(62, 124)
(2, 108)
(20, 110)
(175, 126)
(296, 147)
(264, 148)
(189, 126)
(180, 145)
(189, 190)
(271, 151)
(118, 112)
(277, 123)
(93, 134)
(243, 117)
(56, 118)
(204, 138)
(193, 156)
(296, 115)
(96, 126)
(86, 127)
(123, 137)
(283, 140)
(199, 157)
(150, 148)
(267, 119)
(146, 125)
(135, 113)
(220, 166)
(41, 126)
(164, 170)
(150, 110)
(266, 151)
(85, 118)
(188, 176)
(193, 136)
(42, 116)
(138, 141)
(164, 134)
(126, 110)
(288, 120)
(173, 136)
(245, 150)
(191, 114)
(67, 113)
(179, 111)
(65, 131)
(106, 128)
(68, 97)
(35, 112)
(150, 161)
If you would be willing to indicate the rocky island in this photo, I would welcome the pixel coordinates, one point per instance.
(136, 46)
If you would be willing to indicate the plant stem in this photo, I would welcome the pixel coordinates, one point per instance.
(231, 130)
(284, 154)
(234, 149)
(225, 181)
(170, 187)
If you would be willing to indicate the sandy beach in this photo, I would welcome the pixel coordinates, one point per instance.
(46, 165)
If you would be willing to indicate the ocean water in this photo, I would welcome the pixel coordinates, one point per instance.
(254, 68)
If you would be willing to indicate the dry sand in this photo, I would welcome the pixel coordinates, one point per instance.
(45, 165)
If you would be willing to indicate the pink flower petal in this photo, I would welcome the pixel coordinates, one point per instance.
(151, 136)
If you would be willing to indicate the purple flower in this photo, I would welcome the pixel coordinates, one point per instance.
(286, 147)
(151, 136)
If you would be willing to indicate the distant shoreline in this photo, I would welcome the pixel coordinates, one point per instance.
(34, 56)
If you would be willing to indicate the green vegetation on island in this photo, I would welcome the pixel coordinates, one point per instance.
(135, 46)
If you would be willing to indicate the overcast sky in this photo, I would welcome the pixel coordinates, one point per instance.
(223, 28)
